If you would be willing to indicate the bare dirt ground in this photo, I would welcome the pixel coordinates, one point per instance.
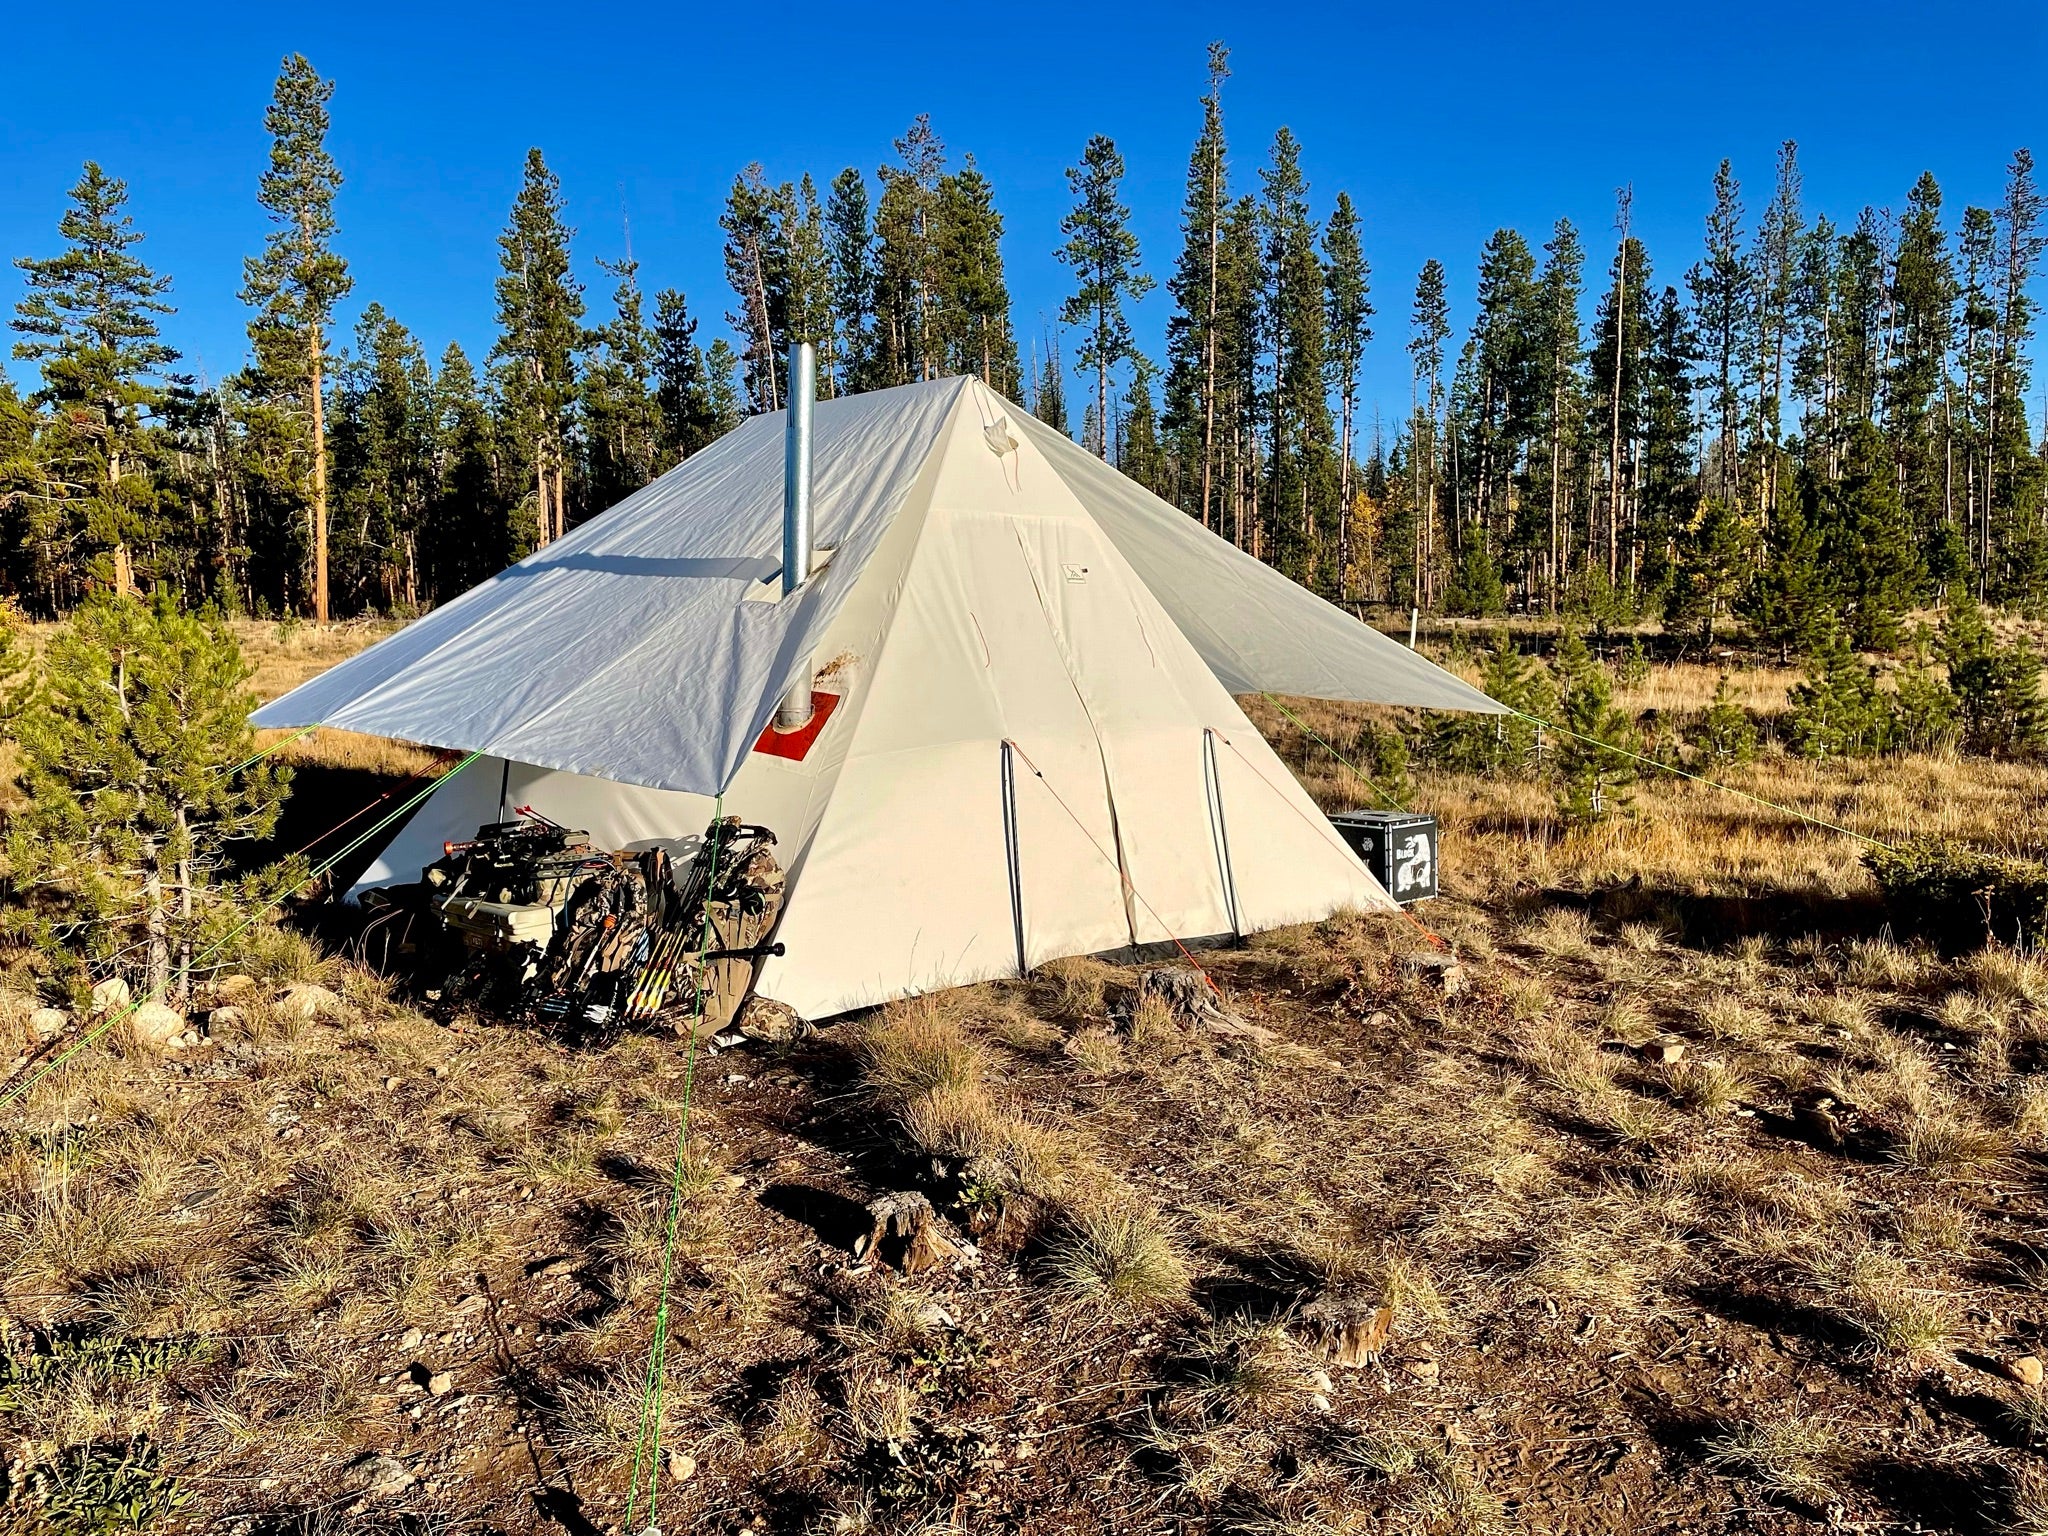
(1703, 1206)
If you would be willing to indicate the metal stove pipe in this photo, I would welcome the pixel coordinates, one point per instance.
(794, 712)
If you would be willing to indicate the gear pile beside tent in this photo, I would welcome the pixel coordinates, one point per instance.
(1021, 739)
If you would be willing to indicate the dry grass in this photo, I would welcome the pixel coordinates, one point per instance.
(916, 1049)
(1801, 1459)
(1116, 1251)
(1881, 1298)
(1827, 1189)
(1710, 1086)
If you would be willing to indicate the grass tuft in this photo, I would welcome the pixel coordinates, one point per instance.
(1895, 1316)
(913, 1049)
(1800, 1459)
(1120, 1252)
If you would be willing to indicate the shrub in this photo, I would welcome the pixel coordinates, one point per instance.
(91, 1490)
(1837, 711)
(1997, 687)
(1725, 734)
(1496, 743)
(1957, 896)
(1592, 765)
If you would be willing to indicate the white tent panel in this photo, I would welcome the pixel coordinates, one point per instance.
(1257, 630)
(1289, 864)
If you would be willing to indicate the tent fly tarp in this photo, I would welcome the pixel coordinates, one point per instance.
(1025, 744)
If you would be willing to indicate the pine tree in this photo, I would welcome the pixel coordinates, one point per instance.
(683, 394)
(1619, 358)
(1139, 454)
(296, 282)
(1867, 541)
(1684, 546)
(133, 764)
(89, 317)
(1713, 566)
(1592, 763)
(2013, 474)
(757, 268)
(1104, 256)
(721, 387)
(1192, 331)
(1837, 711)
(1428, 327)
(810, 275)
(1495, 744)
(973, 294)
(621, 417)
(850, 248)
(1348, 301)
(1721, 285)
(907, 257)
(1049, 395)
(1791, 600)
(1725, 735)
(1557, 388)
(1241, 280)
(1815, 330)
(1498, 407)
(1997, 686)
(466, 536)
(1297, 407)
(1923, 297)
(383, 446)
(540, 330)
(1775, 268)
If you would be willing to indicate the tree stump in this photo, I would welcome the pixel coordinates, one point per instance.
(906, 1234)
(1439, 970)
(1350, 1333)
(1194, 1003)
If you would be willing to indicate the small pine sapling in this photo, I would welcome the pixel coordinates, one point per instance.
(1594, 761)
(1496, 743)
(1837, 711)
(134, 765)
(1923, 706)
(1381, 753)
(1997, 687)
(1725, 735)
(1633, 670)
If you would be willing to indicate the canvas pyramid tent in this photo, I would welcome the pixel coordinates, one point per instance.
(1025, 744)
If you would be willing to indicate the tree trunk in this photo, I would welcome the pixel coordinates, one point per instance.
(319, 483)
(1614, 392)
(184, 912)
(1344, 501)
(1209, 349)
(156, 927)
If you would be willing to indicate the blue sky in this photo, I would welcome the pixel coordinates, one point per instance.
(1443, 122)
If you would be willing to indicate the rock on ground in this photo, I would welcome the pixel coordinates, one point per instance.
(156, 1026)
(308, 1001)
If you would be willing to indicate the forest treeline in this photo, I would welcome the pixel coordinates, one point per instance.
(1814, 428)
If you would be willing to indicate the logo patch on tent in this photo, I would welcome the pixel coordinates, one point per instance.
(1075, 572)
(796, 744)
